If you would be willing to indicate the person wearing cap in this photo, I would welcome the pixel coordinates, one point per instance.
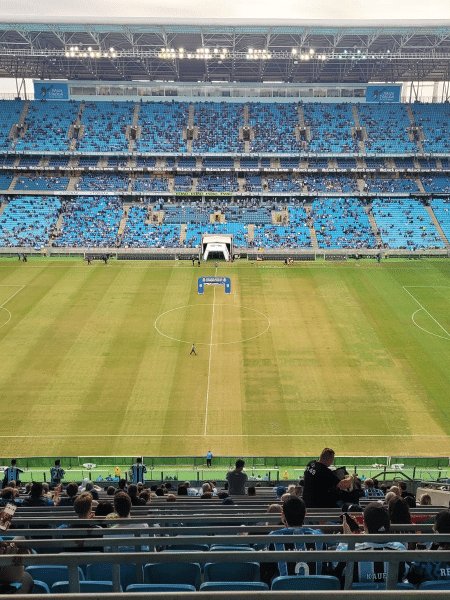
(376, 520)
(433, 570)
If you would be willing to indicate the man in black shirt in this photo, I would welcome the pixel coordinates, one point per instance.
(322, 486)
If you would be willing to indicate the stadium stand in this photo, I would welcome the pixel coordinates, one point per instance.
(90, 222)
(29, 221)
(47, 126)
(193, 541)
(405, 224)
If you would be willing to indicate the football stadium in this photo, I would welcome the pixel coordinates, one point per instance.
(224, 241)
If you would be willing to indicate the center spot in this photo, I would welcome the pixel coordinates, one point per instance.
(230, 323)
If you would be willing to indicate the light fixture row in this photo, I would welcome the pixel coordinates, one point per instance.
(89, 52)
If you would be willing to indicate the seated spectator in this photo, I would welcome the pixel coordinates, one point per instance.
(171, 498)
(71, 493)
(92, 489)
(145, 496)
(433, 571)
(36, 497)
(122, 510)
(292, 516)
(192, 491)
(15, 573)
(251, 490)
(182, 489)
(110, 490)
(370, 491)
(399, 515)
(279, 491)
(10, 495)
(103, 508)
(396, 490)
(275, 508)
(425, 500)
(405, 493)
(389, 497)
(83, 507)
(376, 520)
(133, 493)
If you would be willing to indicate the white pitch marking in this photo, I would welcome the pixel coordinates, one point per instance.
(218, 343)
(2, 306)
(430, 315)
(209, 363)
(230, 435)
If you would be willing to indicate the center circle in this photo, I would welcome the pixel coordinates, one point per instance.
(5, 316)
(231, 324)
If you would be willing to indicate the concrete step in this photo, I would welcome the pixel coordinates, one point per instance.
(438, 227)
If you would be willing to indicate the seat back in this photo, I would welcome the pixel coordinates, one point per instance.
(86, 587)
(103, 572)
(187, 573)
(50, 574)
(39, 587)
(444, 584)
(160, 587)
(215, 548)
(233, 586)
(232, 571)
(305, 582)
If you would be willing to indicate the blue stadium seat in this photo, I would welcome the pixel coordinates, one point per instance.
(305, 582)
(232, 571)
(187, 573)
(380, 586)
(233, 586)
(435, 585)
(86, 587)
(160, 587)
(103, 572)
(39, 587)
(50, 574)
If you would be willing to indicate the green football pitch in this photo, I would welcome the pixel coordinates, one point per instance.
(95, 360)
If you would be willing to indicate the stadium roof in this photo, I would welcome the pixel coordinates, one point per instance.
(228, 50)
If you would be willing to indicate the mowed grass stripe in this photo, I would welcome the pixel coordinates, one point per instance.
(69, 402)
(400, 395)
(39, 334)
(226, 389)
(186, 384)
(264, 410)
(115, 397)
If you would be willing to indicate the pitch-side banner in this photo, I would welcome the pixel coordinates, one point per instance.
(50, 91)
(383, 93)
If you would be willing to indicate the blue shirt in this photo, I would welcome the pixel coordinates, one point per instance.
(373, 572)
(56, 474)
(12, 473)
(137, 472)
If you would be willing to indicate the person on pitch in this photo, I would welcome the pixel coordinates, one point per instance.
(193, 350)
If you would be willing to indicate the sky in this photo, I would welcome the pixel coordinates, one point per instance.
(223, 9)
(236, 9)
